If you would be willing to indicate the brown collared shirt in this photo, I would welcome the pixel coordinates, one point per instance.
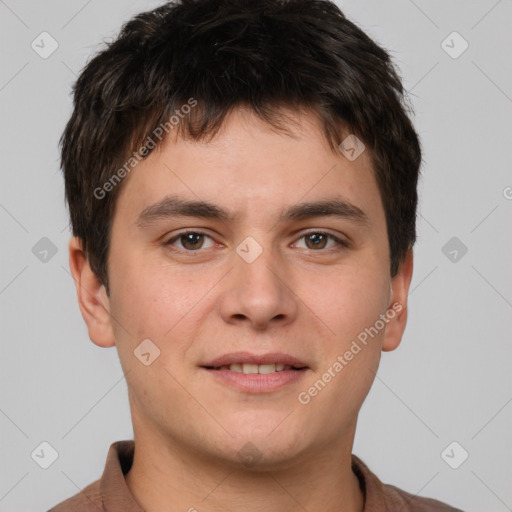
(111, 494)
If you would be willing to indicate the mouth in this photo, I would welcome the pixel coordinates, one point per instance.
(246, 362)
(262, 369)
(253, 373)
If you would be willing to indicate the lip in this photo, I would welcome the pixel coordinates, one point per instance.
(255, 382)
(247, 357)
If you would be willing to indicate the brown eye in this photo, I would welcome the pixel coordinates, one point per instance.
(190, 240)
(318, 240)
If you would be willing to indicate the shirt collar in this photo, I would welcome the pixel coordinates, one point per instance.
(113, 489)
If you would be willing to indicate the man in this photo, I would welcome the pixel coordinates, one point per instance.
(241, 177)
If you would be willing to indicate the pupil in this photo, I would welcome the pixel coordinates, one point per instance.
(191, 240)
(318, 237)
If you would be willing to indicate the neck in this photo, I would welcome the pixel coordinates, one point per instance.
(165, 477)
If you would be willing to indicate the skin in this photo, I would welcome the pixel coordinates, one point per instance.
(294, 298)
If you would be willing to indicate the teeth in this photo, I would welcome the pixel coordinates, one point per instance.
(266, 368)
(248, 368)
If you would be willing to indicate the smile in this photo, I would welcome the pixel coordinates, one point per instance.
(249, 368)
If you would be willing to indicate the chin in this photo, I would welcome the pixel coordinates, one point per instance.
(263, 447)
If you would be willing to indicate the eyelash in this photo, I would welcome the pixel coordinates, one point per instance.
(341, 243)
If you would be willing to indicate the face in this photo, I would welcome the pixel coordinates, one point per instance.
(254, 272)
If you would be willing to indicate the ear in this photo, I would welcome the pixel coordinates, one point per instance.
(92, 298)
(398, 304)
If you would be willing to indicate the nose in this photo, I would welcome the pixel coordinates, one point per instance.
(259, 293)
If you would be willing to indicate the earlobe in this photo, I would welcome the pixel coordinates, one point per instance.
(397, 310)
(92, 299)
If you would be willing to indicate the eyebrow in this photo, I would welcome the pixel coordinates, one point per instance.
(173, 206)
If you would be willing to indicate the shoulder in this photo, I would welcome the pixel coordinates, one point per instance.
(110, 491)
(87, 500)
(413, 503)
(380, 497)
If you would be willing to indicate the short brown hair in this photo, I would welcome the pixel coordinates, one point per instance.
(264, 54)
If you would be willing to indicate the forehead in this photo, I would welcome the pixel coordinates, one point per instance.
(251, 168)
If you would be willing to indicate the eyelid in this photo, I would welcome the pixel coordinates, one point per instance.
(176, 236)
(341, 241)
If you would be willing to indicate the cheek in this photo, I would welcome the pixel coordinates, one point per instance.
(152, 295)
(169, 306)
(362, 295)
(349, 300)
(155, 302)
(349, 305)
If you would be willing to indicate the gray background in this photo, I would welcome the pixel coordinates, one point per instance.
(450, 380)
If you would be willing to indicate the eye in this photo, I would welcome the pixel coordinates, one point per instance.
(317, 240)
(190, 240)
(193, 241)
